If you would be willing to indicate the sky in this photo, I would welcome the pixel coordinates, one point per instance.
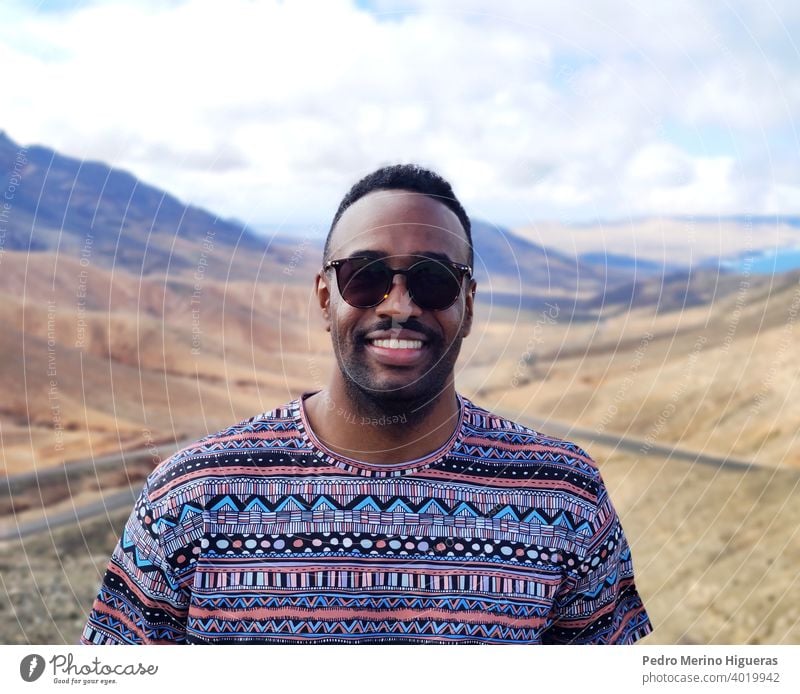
(569, 111)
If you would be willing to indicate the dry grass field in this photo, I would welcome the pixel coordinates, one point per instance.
(715, 551)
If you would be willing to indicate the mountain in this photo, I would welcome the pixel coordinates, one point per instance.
(531, 268)
(671, 291)
(640, 266)
(79, 207)
(87, 208)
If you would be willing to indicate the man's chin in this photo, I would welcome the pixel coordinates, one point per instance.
(398, 397)
(398, 392)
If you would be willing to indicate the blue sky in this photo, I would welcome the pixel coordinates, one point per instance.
(268, 111)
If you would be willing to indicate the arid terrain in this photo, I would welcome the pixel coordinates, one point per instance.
(716, 550)
(119, 346)
(715, 375)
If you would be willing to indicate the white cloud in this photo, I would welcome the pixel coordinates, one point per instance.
(269, 110)
(660, 164)
(697, 185)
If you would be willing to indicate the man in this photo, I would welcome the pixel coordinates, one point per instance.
(385, 508)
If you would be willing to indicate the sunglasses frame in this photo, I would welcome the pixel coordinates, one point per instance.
(462, 270)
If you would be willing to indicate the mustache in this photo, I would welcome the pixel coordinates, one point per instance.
(410, 324)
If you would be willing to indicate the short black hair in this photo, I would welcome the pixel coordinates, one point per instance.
(410, 177)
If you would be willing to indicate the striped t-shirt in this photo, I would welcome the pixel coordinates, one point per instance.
(260, 534)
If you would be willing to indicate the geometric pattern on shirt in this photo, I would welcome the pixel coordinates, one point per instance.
(254, 534)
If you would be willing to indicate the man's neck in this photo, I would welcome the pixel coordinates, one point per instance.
(371, 435)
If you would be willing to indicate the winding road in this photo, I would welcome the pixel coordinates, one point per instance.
(118, 499)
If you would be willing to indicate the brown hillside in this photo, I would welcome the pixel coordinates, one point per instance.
(83, 380)
(721, 378)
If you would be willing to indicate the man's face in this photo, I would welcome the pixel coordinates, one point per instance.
(401, 228)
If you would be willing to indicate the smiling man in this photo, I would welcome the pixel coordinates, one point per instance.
(397, 297)
(385, 508)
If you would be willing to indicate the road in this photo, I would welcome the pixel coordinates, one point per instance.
(119, 499)
(107, 504)
(587, 438)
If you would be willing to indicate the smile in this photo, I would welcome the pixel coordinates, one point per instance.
(396, 352)
(394, 343)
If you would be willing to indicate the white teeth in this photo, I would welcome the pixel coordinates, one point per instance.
(398, 344)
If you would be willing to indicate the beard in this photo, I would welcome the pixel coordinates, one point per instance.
(377, 389)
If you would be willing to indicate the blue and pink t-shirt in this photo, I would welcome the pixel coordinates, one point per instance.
(260, 534)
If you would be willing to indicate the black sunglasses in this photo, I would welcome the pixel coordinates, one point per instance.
(365, 282)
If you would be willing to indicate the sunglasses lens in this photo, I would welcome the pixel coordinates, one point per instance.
(363, 282)
(433, 286)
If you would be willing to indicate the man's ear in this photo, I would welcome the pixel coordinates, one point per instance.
(324, 298)
(469, 306)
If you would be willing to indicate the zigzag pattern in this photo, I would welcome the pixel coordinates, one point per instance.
(296, 502)
(326, 602)
(489, 455)
(487, 633)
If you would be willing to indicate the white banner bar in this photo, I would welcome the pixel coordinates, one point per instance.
(402, 669)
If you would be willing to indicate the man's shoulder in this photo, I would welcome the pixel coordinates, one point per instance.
(191, 463)
(487, 428)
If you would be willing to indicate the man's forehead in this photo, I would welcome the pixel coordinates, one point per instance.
(391, 216)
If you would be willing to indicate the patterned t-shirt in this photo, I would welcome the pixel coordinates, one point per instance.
(260, 534)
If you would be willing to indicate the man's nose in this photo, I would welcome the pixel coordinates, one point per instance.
(398, 304)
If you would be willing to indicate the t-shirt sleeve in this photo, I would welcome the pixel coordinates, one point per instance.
(598, 602)
(140, 600)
